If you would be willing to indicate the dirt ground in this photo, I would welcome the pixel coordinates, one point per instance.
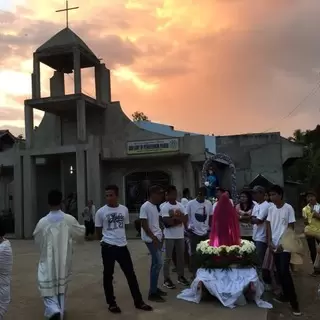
(85, 296)
(306, 288)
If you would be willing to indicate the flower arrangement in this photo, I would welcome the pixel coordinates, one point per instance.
(224, 257)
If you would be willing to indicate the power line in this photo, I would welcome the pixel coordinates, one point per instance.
(82, 89)
(300, 104)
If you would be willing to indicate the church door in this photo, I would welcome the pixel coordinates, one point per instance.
(137, 186)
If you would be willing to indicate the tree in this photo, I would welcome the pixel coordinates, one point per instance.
(20, 137)
(306, 169)
(139, 116)
(298, 136)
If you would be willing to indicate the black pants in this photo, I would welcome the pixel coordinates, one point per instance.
(111, 254)
(89, 227)
(282, 262)
(312, 244)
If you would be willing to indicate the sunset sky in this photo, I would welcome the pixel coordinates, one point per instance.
(208, 66)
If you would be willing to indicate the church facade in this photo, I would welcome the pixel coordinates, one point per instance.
(84, 143)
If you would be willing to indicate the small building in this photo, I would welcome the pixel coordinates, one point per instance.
(84, 143)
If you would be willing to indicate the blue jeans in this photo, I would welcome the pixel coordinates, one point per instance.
(156, 265)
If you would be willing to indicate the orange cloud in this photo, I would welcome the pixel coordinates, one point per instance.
(214, 66)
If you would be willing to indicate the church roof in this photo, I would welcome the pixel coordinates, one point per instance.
(64, 38)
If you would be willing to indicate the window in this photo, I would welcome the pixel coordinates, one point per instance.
(137, 185)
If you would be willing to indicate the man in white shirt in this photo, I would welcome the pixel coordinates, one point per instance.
(151, 234)
(259, 234)
(110, 224)
(199, 212)
(174, 219)
(280, 217)
(55, 234)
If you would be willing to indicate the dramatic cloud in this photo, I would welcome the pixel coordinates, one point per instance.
(214, 66)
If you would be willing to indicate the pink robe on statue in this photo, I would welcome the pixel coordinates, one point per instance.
(225, 230)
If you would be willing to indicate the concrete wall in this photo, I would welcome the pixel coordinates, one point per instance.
(6, 176)
(5, 181)
(69, 131)
(46, 134)
(290, 150)
(210, 141)
(119, 129)
(7, 157)
(254, 154)
(47, 178)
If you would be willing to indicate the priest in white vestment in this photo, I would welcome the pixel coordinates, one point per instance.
(55, 234)
(5, 271)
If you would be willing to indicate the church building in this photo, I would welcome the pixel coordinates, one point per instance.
(85, 143)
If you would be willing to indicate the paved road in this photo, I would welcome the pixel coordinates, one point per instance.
(85, 296)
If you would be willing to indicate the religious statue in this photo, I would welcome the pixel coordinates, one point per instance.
(226, 263)
(211, 183)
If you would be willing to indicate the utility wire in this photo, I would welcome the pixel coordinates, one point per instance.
(81, 88)
(298, 106)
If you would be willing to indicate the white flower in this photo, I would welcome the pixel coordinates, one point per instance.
(207, 184)
(210, 250)
(245, 247)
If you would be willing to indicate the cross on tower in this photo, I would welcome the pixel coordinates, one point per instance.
(66, 10)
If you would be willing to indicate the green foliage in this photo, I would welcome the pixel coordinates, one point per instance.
(139, 116)
(307, 169)
(226, 260)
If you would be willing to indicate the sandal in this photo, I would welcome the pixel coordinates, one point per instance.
(114, 309)
(143, 306)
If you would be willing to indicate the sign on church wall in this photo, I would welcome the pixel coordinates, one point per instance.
(153, 146)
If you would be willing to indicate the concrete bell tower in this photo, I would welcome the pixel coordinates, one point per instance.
(69, 133)
(66, 53)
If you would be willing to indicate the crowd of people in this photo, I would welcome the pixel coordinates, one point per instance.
(169, 228)
(264, 218)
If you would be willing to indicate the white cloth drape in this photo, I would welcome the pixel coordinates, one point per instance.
(227, 286)
(5, 276)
